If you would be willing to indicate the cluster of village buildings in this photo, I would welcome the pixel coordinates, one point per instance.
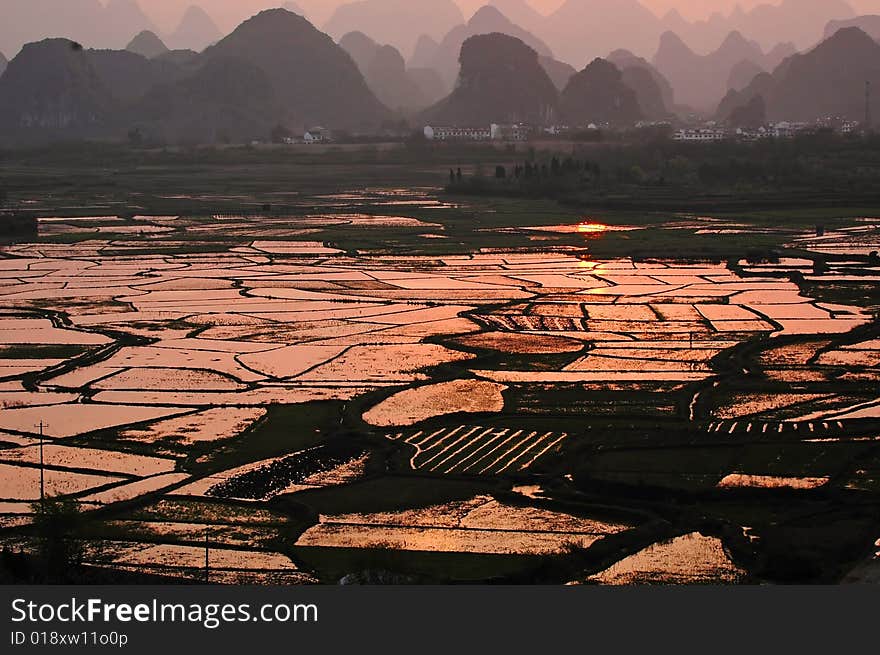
(712, 132)
(705, 133)
(709, 132)
(493, 132)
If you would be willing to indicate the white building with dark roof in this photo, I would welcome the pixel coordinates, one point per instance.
(457, 133)
(316, 135)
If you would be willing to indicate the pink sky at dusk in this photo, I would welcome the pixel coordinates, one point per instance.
(229, 13)
(687, 8)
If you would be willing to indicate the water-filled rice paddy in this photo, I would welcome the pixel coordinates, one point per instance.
(478, 525)
(689, 559)
(191, 373)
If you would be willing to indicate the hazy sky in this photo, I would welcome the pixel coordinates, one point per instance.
(230, 12)
(688, 8)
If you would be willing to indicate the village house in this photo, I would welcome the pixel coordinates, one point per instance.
(848, 127)
(701, 135)
(557, 130)
(457, 133)
(788, 130)
(516, 132)
(752, 134)
(317, 135)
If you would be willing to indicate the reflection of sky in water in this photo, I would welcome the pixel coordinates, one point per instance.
(591, 228)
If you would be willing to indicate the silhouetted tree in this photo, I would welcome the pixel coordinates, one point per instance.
(58, 525)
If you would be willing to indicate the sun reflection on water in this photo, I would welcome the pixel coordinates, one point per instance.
(588, 227)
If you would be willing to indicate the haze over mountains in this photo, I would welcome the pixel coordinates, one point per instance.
(393, 21)
(278, 69)
(576, 30)
(654, 93)
(148, 45)
(299, 60)
(870, 25)
(196, 31)
(829, 80)
(700, 81)
(487, 20)
(271, 70)
(579, 30)
(385, 72)
(792, 21)
(87, 21)
(94, 24)
(502, 81)
(634, 69)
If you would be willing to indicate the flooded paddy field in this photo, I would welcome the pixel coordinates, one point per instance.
(389, 384)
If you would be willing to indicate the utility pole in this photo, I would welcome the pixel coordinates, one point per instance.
(207, 564)
(42, 467)
(869, 118)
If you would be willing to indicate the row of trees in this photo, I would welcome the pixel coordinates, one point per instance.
(815, 162)
(529, 170)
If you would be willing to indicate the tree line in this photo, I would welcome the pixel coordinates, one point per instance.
(819, 162)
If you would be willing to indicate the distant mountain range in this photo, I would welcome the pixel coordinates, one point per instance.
(86, 21)
(829, 80)
(503, 80)
(196, 31)
(386, 74)
(396, 22)
(443, 56)
(560, 72)
(870, 25)
(278, 69)
(226, 14)
(273, 69)
(653, 91)
(148, 45)
(577, 31)
(700, 81)
(580, 30)
(96, 25)
(791, 21)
